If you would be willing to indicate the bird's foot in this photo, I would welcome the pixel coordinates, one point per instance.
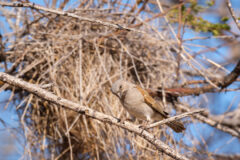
(143, 126)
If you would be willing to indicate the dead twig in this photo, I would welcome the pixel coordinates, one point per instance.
(58, 12)
(34, 89)
(229, 5)
(171, 119)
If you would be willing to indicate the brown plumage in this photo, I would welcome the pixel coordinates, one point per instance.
(140, 104)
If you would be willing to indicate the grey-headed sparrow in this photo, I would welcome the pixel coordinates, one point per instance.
(140, 104)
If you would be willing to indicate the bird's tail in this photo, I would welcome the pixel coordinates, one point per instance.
(176, 126)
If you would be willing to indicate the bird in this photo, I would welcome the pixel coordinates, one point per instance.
(141, 105)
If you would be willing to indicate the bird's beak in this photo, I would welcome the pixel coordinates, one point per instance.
(118, 94)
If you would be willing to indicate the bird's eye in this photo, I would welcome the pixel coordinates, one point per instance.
(120, 86)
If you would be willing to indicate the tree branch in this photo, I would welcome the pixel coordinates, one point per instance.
(205, 118)
(229, 5)
(34, 89)
(58, 12)
(174, 118)
(231, 77)
(173, 93)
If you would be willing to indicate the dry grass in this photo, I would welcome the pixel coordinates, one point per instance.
(79, 60)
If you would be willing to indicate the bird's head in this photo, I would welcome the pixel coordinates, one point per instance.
(119, 87)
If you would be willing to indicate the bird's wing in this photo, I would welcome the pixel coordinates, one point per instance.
(152, 102)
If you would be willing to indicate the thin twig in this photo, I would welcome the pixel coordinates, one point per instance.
(204, 117)
(229, 5)
(58, 12)
(171, 119)
(222, 83)
(48, 96)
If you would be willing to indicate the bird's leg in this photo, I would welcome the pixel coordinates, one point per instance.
(130, 118)
(122, 118)
(144, 126)
(145, 123)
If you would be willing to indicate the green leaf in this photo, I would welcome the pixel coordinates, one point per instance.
(210, 3)
(215, 32)
(224, 19)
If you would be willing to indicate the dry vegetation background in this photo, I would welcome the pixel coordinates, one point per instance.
(78, 59)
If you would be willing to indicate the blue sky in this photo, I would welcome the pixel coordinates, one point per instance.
(226, 145)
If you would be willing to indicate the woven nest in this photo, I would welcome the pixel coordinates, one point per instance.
(79, 60)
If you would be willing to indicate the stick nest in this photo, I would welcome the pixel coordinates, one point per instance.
(79, 60)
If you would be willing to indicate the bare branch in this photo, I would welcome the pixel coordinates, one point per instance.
(204, 117)
(58, 12)
(175, 118)
(226, 157)
(173, 93)
(229, 5)
(34, 89)
(231, 77)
